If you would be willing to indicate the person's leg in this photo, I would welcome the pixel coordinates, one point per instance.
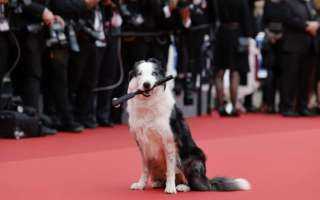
(289, 85)
(32, 52)
(59, 90)
(4, 54)
(234, 86)
(219, 91)
(107, 76)
(85, 94)
(306, 79)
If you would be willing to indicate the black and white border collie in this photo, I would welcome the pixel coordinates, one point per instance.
(170, 157)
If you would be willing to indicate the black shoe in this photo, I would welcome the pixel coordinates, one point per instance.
(47, 131)
(316, 110)
(72, 127)
(271, 110)
(222, 112)
(105, 123)
(290, 113)
(307, 113)
(234, 113)
(89, 124)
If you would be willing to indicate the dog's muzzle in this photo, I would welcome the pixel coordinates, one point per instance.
(146, 89)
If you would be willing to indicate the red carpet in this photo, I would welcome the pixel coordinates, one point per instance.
(279, 156)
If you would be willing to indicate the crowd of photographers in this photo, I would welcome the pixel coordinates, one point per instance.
(63, 50)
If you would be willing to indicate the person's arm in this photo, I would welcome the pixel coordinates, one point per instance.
(33, 8)
(74, 6)
(3, 1)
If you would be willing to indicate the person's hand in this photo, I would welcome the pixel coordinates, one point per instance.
(173, 4)
(48, 17)
(185, 15)
(3, 1)
(106, 2)
(312, 27)
(91, 3)
(59, 20)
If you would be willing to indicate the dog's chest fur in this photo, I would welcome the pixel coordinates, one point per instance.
(149, 120)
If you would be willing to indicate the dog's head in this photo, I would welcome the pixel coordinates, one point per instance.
(145, 75)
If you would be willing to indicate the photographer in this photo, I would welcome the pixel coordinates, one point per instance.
(28, 20)
(109, 73)
(83, 72)
(298, 53)
(61, 43)
(274, 14)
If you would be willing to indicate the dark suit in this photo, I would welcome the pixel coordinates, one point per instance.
(29, 72)
(56, 99)
(273, 17)
(83, 72)
(298, 53)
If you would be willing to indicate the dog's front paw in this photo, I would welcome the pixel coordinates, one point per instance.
(183, 188)
(170, 188)
(138, 186)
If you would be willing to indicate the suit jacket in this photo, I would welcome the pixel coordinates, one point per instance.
(295, 38)
(31, 13)
(230, 11)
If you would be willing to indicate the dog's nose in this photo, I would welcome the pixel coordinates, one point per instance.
(146, 85)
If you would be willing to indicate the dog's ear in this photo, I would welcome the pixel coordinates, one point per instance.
(156, 62)
(132, 74)
(134, 71)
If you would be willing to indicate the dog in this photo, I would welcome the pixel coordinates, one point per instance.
(170, 156)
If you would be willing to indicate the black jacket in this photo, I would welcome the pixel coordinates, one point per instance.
(295, 38)
(230, 11)
(29, 12)
(68, 9)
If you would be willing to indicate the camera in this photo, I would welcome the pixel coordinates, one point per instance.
(57, 35)
(135, 19)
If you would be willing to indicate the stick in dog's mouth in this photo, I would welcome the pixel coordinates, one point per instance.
(146, 93)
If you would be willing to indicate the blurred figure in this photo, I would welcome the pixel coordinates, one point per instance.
(84, 65)
(193, 39)
(274, 14)
(231, 50)
(56, 99)
(109, 71)
(4, 40)
(29, 20)
(298, 56)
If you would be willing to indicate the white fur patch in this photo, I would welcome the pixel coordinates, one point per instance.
(183, 188)
(243, 184)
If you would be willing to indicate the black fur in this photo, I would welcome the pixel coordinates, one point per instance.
(193, 159)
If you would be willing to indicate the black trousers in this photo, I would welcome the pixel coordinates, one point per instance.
(108, 75)
(56, 99)
(272, 60)
(83, 78)
(29, 71)
(296, 71)
(4, 54)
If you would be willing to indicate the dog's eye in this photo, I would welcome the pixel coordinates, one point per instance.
(139, 74)
(154, 73)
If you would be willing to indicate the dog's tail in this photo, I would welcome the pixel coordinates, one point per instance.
(229, 184)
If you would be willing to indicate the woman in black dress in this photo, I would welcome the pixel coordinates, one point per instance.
(231, 50)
